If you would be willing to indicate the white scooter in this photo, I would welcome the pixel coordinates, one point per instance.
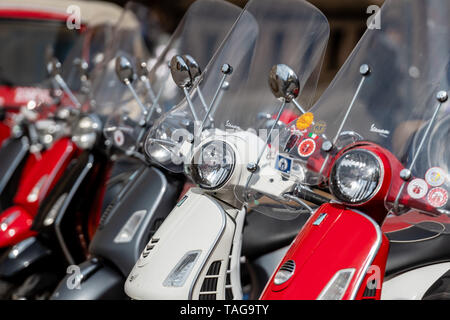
(196, 252)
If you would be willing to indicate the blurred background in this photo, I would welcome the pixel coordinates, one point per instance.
(347, 22)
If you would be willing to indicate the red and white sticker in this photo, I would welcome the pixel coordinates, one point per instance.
(306, 148)
(435, 176)
(119, 138)
(417, 188)
(437, 197)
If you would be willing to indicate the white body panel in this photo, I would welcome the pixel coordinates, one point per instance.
(201, 224)
(413, 284)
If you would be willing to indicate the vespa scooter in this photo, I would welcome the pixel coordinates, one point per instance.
(196, 252)
(39, 151)
(384, 151)
(131, 220)
(70, 201)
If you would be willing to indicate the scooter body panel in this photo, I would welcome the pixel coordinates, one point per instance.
(196, 237)
(57, 221)
(5, 132)
(21, 256)
(332, 240)
(12, 154)
(42, 238)
(126, 227)
(15, 223)
(34, 186)
(38, 182)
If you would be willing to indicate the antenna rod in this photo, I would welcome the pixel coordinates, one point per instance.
(226, 70)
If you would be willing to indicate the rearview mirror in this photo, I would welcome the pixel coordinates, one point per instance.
(124, 69)
(179, 70)
(284, 82)
(194, 68)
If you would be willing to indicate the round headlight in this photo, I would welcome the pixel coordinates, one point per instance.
(86, 131)
(213, 164)
(158, 152)
(355, 176)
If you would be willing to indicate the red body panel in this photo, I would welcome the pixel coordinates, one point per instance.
(17, 228)
(344, 239)
(40, 175)
(49, 168)
(32, 14)
(5, 132)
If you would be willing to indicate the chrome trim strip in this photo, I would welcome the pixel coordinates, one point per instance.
(372, 254)
(235, 274)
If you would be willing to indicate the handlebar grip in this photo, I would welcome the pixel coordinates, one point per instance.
(311, 196)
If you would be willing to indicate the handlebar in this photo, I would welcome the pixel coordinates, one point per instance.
(309, 195)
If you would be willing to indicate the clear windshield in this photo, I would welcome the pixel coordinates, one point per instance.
(128, 39)
(26, 46)
(291, 32)
(87, 53)
(386, 93)
(199, 34)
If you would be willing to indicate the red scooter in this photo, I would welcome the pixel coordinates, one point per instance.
(378, 139)
(51, 147)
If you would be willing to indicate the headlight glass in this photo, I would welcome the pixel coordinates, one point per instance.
(213, 164)
(85, 132)
(355, 176)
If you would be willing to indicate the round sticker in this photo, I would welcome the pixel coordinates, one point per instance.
(435, 176)
(437, 197)
(306, 147)
(319, 127)
(119, 138)
(417, 188)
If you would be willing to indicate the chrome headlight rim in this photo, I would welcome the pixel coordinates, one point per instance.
(95, 129)
(334, 188)
(193, 167)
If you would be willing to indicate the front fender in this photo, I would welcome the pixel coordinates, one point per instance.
(334, 240)
(199, 231)
(24, 255)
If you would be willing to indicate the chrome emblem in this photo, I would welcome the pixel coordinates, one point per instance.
(319, 219)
